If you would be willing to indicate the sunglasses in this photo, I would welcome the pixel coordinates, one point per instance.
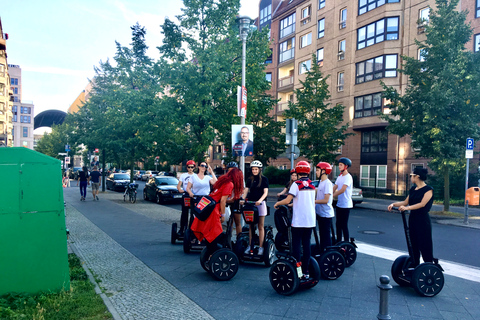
(203, 165)
(191, 167)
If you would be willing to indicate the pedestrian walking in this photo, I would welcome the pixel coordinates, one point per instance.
(343, 190)
(83, 180)
(95, 178)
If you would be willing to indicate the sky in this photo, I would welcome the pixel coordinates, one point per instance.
(58, 43)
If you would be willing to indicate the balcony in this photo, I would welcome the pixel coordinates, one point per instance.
(287, 55)
(3, 44)
(285, 83)
(282, 107)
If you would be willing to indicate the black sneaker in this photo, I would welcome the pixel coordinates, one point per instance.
(97, 198)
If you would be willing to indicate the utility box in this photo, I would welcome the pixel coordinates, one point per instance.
(33, 241)
(473, 196)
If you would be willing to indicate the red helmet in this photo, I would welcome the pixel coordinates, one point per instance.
(190, 163)
(325, 166)
(292, 171)
(302, 167)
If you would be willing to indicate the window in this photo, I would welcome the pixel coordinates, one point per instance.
(287, 26)
(2, 68)
(305, 12)
(379, 31)
(421, 54)
(343, 18)
(367, 5)
(374, 141)
(25, 132)
(15, 99)
(476, 42)
(305, 40)
(14, 81)
(268, 77)
(15, 90)
(370, 174)
(321, 4)
(341, 49)
(287, 50)
(304, 66)
(320, 57)
(477, 15)
(14, 118)
(266, 14)
(423, 16)
(340, 81)
(379, 67)
(368, 105)
(321, 28)
(14, 109)
(269, 60)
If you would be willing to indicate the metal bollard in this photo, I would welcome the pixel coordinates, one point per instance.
(384, 288)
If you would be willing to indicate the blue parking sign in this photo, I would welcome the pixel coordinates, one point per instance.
(67, 148)
(470, 144)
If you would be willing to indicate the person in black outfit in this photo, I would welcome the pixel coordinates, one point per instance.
(83, 179)
(419, 202)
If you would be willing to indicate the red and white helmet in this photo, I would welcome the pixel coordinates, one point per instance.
(190, 163)
(325, 166)
(302, 167)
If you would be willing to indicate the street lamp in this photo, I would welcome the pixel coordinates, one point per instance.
(245, 25)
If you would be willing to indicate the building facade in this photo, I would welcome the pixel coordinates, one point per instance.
(357, 43)
(6, 127)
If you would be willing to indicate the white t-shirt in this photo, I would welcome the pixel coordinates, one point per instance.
(303, 204)
(345, 199)
(325, 210)
(200, 187)
(185, 178)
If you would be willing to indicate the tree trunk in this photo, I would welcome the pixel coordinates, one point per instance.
(446, 191)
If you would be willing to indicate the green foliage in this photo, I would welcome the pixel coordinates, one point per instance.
(276, 176)
(320, 132)
(54, 142)
(440, 107)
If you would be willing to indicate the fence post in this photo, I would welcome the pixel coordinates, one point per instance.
(384, 287)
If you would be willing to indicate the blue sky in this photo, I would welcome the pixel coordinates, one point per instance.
(57, 43)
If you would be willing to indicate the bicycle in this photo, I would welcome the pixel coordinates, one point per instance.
(131, 192)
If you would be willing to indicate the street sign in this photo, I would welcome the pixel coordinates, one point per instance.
(67, 148)
(67, 160)
(468, 154)
(470, 144)
(62, 153)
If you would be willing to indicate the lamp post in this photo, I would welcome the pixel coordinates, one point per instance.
(244, 24)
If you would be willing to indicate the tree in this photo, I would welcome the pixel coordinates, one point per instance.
(320, 129)
(201, 65)
(439, 108)
(54, 142)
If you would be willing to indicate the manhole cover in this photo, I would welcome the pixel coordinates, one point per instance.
(371, 232)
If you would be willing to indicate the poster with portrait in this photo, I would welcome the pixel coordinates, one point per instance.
(242, 140)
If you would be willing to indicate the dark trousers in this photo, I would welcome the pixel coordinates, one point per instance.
(324, 225)
(421, 237)
(342, 224)
(301, 238)
(83, 188)
(184, 217)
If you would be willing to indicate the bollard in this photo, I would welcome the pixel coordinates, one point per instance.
(384, 288)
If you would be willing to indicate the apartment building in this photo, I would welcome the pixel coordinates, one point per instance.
(23, 111)
(5, 94)
(357, 43)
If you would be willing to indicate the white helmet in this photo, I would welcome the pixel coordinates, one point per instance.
(256, 163)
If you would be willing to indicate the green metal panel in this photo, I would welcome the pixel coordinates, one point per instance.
(33, 243)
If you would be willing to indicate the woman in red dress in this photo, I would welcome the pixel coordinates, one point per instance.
(210, 229)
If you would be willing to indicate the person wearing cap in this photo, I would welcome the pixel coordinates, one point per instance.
(343, 190)
(182, 188)
(293, 178)
(323, 204)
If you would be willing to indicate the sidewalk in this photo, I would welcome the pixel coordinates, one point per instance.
(127, 249)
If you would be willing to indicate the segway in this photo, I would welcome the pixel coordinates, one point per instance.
(286, 273)
(349, 247)
(331, 260)
(250, 215)
(223, 263)
(426, 279)
(177, 234)
(190, 241)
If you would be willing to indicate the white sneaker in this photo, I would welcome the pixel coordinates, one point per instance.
(247, 250)
(260, 251)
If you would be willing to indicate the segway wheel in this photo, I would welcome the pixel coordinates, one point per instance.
(268, 252)
(314, 275)
(427, 280)
(332, 264)
(283, 277)
(397, 270)
(223, 264)
(204, 260)
(173, 237)
(350, 253)
(187, 241)
(240, 246)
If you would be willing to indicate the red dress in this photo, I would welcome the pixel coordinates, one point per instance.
(211, 228)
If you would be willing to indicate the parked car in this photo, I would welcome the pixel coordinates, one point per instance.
(138, 174)
(149, 174)
(73, 172)
(162, 189)
(118, 181)
(357, 194)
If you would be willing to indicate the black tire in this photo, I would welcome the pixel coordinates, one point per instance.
(223, 264)
(397, 270)
(124, 197)
(314, 273)
(240, 245)
(204, 261)
(187, 241)
(350, 253)
(133, 197)
(332, 264)
(268, 252)
(283, 277)
(428, 280)
(173, 237)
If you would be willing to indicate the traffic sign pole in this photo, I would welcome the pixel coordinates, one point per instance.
(468, 155)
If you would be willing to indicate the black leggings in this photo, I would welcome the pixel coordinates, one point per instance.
(184, 217)
(324, 225)
(216, 244)
(342, 224)
(301, 238)
(421, 237)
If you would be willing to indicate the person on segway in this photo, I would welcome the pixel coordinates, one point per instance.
(302, 192)
(182, 188)
(323, 204)
(257, 190)
(293, 178)
(234, 204)
(343, 190)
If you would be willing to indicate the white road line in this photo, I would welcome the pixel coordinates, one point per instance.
(451, 268)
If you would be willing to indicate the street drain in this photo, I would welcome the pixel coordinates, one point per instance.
(371, 232)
